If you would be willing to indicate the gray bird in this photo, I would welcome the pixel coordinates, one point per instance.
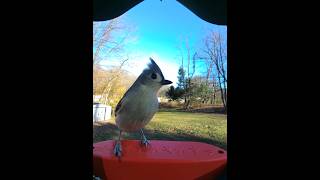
(138, 105)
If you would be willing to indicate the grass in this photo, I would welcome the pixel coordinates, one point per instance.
(171, 125)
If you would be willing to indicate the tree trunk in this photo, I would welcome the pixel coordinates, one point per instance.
(221, 91)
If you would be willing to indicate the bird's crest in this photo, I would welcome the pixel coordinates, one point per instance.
(153, 67)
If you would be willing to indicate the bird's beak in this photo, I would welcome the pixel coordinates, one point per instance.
(165, 82)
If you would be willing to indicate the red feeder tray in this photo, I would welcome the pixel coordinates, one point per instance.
(160, 160)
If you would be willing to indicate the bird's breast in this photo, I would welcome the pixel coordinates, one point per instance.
(137, 111)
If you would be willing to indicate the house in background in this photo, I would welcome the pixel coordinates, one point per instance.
(101, 112)
(163, 99)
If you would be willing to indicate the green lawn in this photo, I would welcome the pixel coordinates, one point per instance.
(180, 126)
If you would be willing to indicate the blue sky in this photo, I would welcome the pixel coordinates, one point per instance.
(159, 28)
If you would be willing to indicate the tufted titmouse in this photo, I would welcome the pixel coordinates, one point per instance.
(138, 105)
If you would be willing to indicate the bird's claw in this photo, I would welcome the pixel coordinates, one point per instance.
(117, 149)
(145, 141)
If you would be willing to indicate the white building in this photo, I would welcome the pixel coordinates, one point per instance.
(101, 112)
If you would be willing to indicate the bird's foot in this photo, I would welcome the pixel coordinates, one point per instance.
(117, 149)
(145, 141)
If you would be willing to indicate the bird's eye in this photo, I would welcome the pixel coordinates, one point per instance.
(153, 76)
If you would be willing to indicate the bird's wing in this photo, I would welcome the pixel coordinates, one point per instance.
(119, 105)
(151, 66)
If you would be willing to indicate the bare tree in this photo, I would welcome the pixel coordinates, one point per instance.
(190, 70)
(109, 40)
(110, 81)
(215, 57)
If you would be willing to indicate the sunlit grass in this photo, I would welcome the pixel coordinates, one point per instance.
(180, 126)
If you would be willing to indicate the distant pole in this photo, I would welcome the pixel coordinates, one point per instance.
(105, 112)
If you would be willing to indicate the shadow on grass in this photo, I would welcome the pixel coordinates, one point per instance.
(210, 110)
(107, 131)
